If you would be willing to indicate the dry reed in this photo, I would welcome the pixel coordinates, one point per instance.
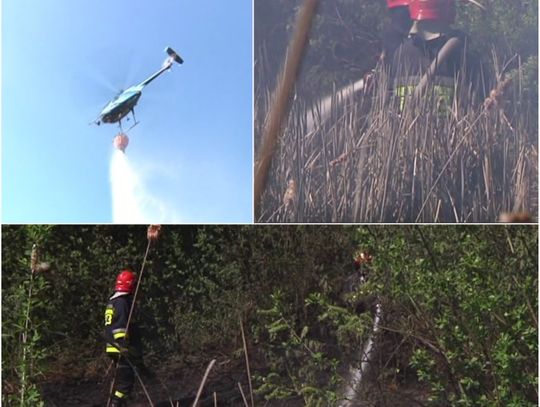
(367, 162)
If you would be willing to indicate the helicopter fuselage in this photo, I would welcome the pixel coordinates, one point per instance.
(120, 106)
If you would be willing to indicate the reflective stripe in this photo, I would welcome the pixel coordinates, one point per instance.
(119, 333)
(119, 394)
(112, 349)
(402, 92)
(443, 94)
(109, 312)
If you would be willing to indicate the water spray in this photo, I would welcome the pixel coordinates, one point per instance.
(132, 202)
(126, 189)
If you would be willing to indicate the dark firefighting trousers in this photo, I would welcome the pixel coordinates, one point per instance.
(125, 379)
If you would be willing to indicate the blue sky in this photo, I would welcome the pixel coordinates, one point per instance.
(63, 60)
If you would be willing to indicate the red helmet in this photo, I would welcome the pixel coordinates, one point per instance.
(125, 281)
(435, 10)
(362, 258)
(397, 3)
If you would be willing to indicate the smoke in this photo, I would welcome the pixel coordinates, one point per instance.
(131, 200)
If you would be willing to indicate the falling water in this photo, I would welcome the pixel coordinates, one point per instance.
(131, 201)
(356, 375)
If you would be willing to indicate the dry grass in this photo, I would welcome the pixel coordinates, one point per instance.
(365, 162)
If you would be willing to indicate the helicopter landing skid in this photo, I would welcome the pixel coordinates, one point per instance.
(134, 124)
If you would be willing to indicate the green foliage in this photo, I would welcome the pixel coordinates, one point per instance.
(344, 44)
(300, 362)
(509, 28)
(467, 305)
(524, 95)
(21, 337)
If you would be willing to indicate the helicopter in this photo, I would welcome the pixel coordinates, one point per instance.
(125, 101)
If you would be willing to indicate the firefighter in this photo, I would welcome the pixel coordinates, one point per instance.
(123, 346)
(361, 267)
(396, 30)
(430, 39)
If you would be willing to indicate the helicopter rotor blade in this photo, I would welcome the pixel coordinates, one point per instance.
(100, 79)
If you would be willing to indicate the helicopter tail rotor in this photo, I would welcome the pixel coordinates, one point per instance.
(174, 56)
